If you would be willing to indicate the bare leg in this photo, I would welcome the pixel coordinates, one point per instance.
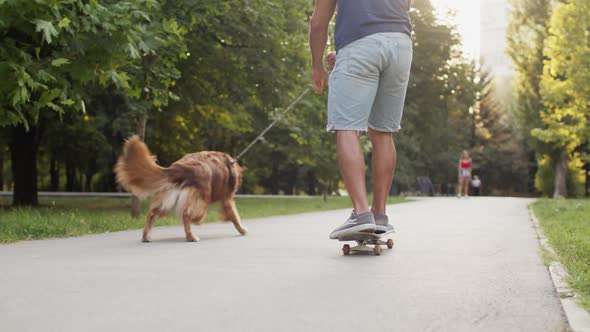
(460, 187)
(352, 168)
(149, 223)
(466, 189)
(384, 159)
(231, 213)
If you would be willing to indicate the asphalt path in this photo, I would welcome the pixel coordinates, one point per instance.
(457, 265)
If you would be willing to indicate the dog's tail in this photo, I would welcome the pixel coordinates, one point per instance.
(137, 171)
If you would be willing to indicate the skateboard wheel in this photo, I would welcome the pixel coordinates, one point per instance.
(377, 250)
(346, 249)
(390, 243)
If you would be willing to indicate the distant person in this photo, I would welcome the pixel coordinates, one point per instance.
(476, 184)
(464, 169)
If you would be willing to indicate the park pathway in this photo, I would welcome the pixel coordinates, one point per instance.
(457, 265)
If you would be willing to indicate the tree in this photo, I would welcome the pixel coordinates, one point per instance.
(50, 51)
(565, 87)
(234, 83)
(161, 49)
(53, 51)
(79, 156)
(500, 154)
(527, 30)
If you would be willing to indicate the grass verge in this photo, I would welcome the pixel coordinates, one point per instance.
(566, 223)
(64, 217)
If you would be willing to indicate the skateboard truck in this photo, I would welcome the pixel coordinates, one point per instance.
(368, 242)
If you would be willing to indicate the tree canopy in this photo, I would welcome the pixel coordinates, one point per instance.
(549, 45)
(81, 76)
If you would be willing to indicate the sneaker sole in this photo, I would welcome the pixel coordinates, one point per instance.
(383, 231)
(353, 230)
(380, 230)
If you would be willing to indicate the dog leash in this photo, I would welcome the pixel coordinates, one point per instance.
(295, 102)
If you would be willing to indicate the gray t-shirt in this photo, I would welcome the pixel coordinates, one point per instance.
(359, 18)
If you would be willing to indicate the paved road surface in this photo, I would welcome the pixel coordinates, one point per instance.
(458, 265)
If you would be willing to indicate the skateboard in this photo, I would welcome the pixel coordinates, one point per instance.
(364, 241)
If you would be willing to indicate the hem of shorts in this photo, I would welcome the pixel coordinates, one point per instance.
(386, 130)
(333, 128)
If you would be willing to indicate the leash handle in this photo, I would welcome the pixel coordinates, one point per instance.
(295, 102)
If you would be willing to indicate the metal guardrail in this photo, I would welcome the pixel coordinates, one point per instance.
(63, 194)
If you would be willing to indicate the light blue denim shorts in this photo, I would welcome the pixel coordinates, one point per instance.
(368, 83)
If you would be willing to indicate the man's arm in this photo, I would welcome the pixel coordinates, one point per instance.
(318, 37)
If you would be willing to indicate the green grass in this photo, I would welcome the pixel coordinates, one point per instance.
(566, 223)
(63, 217)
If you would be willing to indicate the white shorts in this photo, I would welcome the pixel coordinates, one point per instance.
(464, 173)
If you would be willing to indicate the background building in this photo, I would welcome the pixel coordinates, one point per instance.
(494, 23)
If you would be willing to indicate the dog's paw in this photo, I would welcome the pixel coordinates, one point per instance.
(192, 238)
(243, 230)
(145, 240)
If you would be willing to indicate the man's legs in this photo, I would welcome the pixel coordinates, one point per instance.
(368, 88)
(352, 168)
(384, 158)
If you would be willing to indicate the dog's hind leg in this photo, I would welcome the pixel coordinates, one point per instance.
(193, 208)
(231, 213)
(186, 220)
(152, 215)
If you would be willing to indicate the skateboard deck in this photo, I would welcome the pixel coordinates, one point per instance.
(365, 241)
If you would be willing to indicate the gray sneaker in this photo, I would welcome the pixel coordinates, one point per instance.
(356, 223)
(382, 224)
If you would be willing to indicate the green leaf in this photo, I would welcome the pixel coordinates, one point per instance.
(120, 79)
(48, 96)
(47, 28)
(59, 62)
(44, 76)
(63, 23)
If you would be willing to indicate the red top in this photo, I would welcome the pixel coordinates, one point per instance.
(465, 164)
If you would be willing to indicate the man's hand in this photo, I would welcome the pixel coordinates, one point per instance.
(319, 79)
(331, 60)
(318, 36)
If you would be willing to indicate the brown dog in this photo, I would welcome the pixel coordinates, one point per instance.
(190, 185)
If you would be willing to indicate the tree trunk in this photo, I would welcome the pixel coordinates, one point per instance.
(312, 183)
(24, 165)
(291, 181)
(54, 174)
(561, 176)
(88, 184)
(70, 176)
(140, 131)
(1, 169)
(587, 169)
(587, 180)
(274, 181)
(532, 171)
